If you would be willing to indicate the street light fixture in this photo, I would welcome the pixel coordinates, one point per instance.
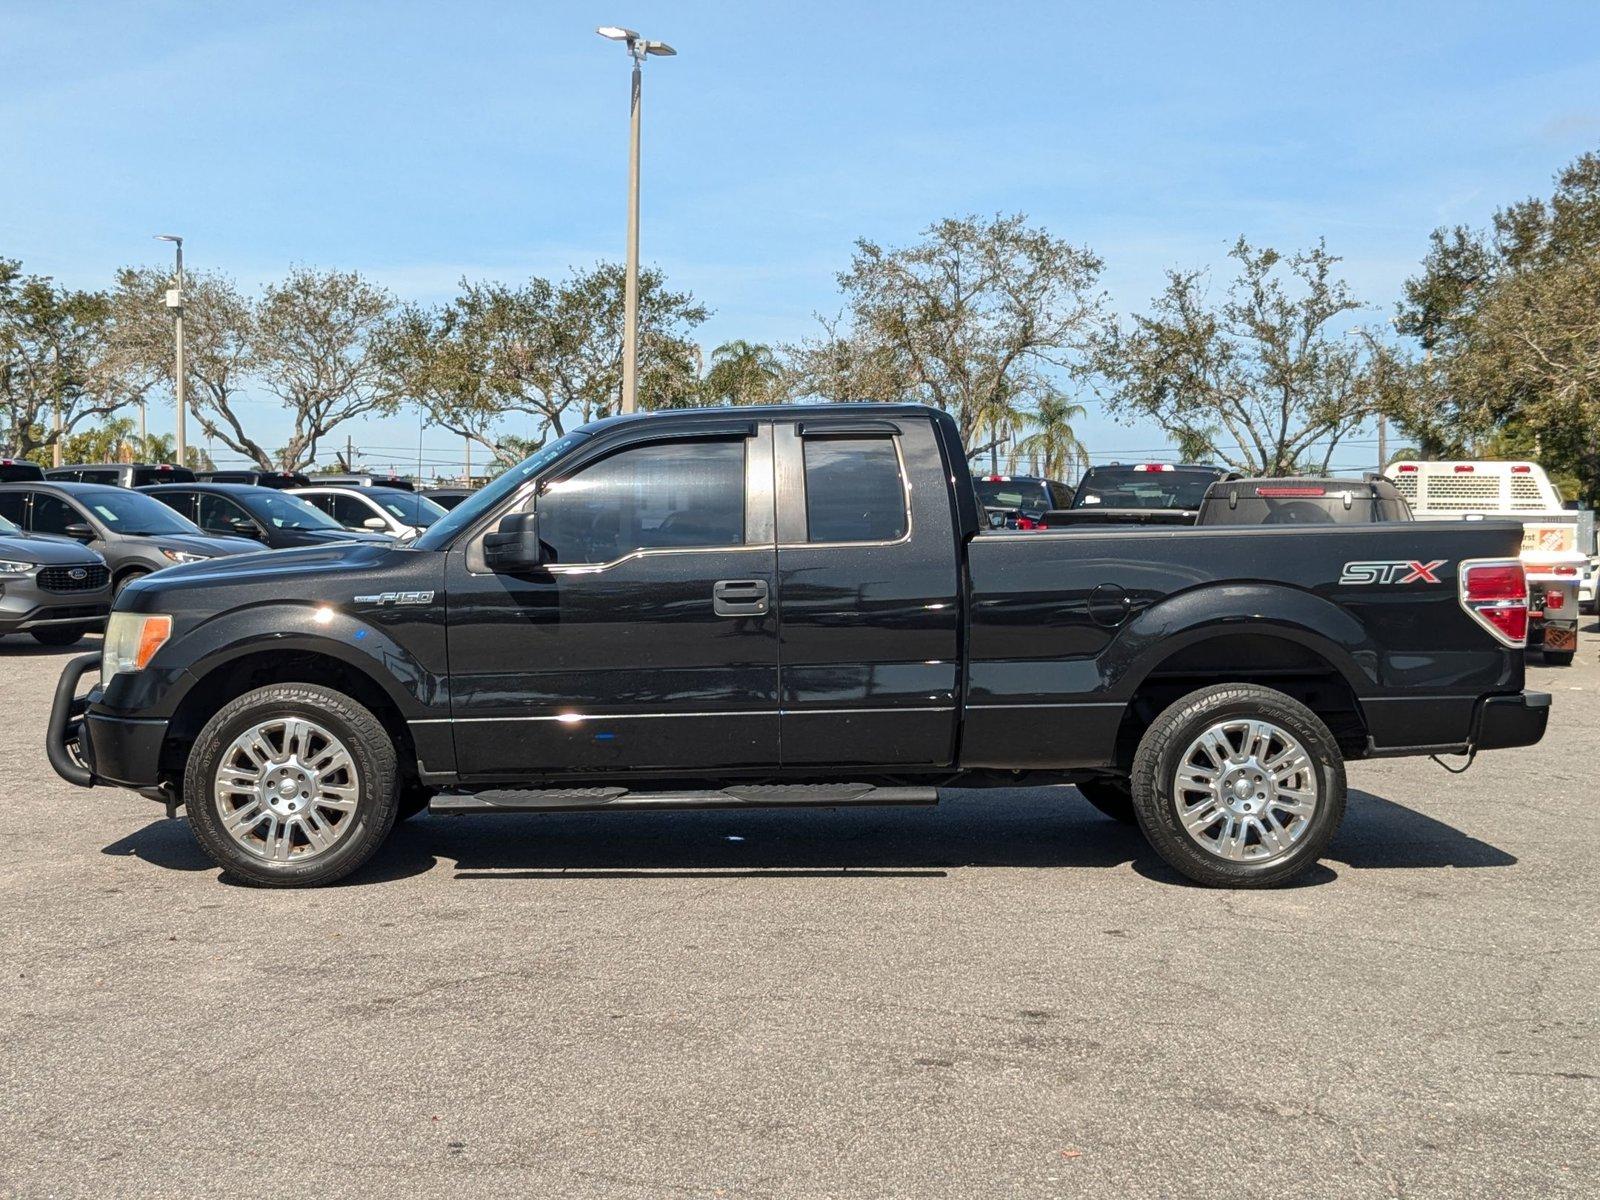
(638, 48)
(175, 303)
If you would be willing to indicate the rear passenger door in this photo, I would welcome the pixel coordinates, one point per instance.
(868, 584)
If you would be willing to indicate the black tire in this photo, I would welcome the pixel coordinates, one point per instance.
(1168, 740)
(59, 635)
(124, 580)
(413, 801)
(376, 777)
(1559, 658)
(1113, 797)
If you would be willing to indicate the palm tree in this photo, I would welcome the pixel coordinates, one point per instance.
(742, 373)
(1053, 440)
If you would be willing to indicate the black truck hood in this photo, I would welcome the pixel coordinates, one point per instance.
(46, 550)
(333, 574)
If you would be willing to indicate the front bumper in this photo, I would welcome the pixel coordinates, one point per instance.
(86, 748)
(1507, 721)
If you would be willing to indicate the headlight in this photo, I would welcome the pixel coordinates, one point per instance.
(183, 556)
(13, 567)
(132, 640)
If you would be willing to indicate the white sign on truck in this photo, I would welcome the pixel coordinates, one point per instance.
(1550, 552)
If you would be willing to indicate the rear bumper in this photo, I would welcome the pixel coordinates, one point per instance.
(1507, 721)
(87, 748)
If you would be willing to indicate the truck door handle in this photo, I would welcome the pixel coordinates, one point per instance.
(739, 597)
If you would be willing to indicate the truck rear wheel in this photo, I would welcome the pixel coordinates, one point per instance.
(1238, 786)
(291, 785)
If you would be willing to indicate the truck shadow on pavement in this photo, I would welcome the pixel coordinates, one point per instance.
(1040, 828)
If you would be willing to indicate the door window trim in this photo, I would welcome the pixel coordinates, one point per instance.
(790, 465)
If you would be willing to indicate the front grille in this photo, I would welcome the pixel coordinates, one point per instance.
(73, 579)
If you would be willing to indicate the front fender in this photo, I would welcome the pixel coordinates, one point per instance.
(1292, 614)
(399, 651)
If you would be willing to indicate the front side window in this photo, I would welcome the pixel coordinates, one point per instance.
(51, 514)
(854, 490)
(181, 503)
(664, 495)
(218, 514)
(351, 512)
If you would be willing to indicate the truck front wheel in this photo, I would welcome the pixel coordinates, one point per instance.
(291, 785)
(1238, 786)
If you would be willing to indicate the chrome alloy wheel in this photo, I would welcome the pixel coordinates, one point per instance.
(1245, 790)
(286, 790)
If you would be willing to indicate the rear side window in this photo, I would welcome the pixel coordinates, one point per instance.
(351, 512)
(854, 490)
(663, 495)
(181, 503)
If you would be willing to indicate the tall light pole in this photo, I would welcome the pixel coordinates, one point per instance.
(638, 47)
(175, 303)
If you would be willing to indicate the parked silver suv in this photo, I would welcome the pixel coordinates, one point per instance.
(50, 587)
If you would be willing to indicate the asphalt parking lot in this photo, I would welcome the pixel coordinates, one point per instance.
(1007, 995)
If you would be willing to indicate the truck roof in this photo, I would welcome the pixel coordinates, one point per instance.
(691, 416)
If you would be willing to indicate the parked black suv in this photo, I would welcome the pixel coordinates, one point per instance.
(16, 470)
(1139, 494)
(795, 605)
(272, 517)
(1303, 500)
(1020, 501)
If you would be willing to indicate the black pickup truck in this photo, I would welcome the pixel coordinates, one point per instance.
(795, 606)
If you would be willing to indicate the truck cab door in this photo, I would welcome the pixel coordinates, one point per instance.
(869, 584)
(648, 641)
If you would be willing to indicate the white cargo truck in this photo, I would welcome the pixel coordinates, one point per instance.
(1551, 555)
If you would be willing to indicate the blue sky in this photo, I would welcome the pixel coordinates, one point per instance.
(422, 142)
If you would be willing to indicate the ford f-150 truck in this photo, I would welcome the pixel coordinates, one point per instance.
(796, 605)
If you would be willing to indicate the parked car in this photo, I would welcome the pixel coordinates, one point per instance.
(1020, 501)
(447, 497)
(363, 479)
(1139, 494)
(51, 588)
(795, 605)
(132, 532)
(15, 470)
(271, 479)
(275, 518)
(1303, 501)
(127, 475)
(1550, 545)
(374, 509)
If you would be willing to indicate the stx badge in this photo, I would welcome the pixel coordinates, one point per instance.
(1391, 571)
(383, 599)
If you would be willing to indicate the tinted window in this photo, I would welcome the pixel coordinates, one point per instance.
(52, 514)
(290, 512)
(12, 472)
(111, 476)
(1131, 487)
(351, 512)
(674, 494)
(181, 503)
(217, 514)
(854, 492)
(407, 507)
(1008, 494)
(11, 506)
(486, 499)
(144, 475)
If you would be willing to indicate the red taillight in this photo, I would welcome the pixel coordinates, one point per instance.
(1026, 523)
(1556, 570)
(1273, 493)
(1554, 600)
(1464, 468)
(1523, 469)
(1494, 593)
(1155, 467)
(1407, 468)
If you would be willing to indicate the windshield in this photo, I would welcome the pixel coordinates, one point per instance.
(290, 512)
(407, 507)
(131, 512)
(1133, 487)
(469, 510)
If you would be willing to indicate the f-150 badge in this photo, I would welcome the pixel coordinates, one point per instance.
(1391, 571)
(386, 598)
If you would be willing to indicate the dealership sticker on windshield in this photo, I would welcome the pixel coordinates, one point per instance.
(1391, 571)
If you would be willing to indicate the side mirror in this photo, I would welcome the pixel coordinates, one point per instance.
(515, 545)
(377, 523)
(80, 530)
(245, 527)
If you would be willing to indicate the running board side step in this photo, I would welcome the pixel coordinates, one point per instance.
(598, 799)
